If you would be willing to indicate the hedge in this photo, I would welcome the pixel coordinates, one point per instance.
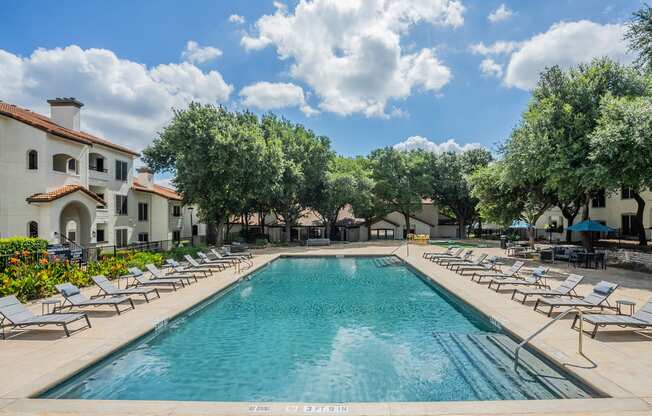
(13, 245)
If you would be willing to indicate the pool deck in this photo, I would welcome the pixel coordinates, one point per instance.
(617, 362)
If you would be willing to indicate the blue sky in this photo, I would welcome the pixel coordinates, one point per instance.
(407, 71)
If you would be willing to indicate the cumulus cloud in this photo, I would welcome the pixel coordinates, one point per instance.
(501, 13)
(565, 44)
(490, 68)
(450, 145)
(199, 54)
(125, 101)
(237, 19)
(496, 48)
(350, 53)
(272, 96)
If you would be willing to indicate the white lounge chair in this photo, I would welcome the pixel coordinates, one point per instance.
(640, 320)
(18, 316)
(566, 288)
(596, 299)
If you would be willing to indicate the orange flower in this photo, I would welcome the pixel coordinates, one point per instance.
(25, 253)
(14, 260)
(43, 261)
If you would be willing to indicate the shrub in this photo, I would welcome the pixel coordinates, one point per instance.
(178, 252)
(13, 245)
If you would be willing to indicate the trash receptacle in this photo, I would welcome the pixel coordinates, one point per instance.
(503, 242)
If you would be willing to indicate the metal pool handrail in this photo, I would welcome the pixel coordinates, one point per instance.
(543, 328)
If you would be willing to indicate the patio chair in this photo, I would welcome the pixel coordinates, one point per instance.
(596, 299)
(566, 288)
(535, 279)
(455, 253)
(158, 274)
(210, 266)
(478, 276)
(442, 261)
(486, 265)
(73, 298)
(244, 251)
(203, 257)
(454, 265)
(109, 289)
(234, 257)
(179, 268)
(18, 316)
(640, 320)
(141, 280)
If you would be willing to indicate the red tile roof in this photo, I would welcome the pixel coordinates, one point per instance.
(61, 192)
(158, 190)
(46, 124)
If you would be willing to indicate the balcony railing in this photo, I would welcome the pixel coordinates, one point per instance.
(96, 169)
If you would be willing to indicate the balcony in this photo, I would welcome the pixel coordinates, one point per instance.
(98, 174)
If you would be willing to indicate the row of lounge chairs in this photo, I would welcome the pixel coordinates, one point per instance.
(483, 270)
(15, 315)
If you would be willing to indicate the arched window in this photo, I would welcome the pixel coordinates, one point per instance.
(32, 229)
(32, 160)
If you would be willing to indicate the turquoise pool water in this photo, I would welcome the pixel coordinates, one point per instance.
(317, 330)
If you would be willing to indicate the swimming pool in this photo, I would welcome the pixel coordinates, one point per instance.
(323, 330)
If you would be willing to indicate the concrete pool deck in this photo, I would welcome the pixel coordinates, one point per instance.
(619, 362)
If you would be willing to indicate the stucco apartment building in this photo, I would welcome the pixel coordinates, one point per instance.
(616, 210)
(59, 180)
(426, 221)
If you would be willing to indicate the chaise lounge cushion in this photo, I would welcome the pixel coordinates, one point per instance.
(603, 288)
(68, 290)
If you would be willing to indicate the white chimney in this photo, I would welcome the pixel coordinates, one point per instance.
(145, 177)
(66, 112)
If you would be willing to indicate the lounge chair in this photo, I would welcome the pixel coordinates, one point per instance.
(448, 252)
(233, 257)
(566, 288)
(640, 320)
(442, 261)
(535, 279)
(158, 274)
(491, 275)
(454, 265)
(179, 268)
(73, 298)
(210, 266)
(487, 265)
(245, 252)
(141, 280)
(108, 289)
(203, 257)
(455, 253)
(596, 299)
(18, 316)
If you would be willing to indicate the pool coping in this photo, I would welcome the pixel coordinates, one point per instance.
(24, 401)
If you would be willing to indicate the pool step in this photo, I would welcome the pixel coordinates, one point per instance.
(486, 361)
(388, 261)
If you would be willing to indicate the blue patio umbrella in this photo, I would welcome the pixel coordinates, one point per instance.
(520, 224)
(590, 226)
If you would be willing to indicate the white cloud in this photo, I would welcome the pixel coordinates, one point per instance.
(271, 96)
(450, 145)
(349, 52)
(490, 68)
(237, 19)
(496, 48)
(501, 13)
(198, 55)
(565, 44)
(125, 101)
(279, 5)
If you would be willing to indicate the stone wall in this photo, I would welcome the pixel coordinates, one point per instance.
(630, 259)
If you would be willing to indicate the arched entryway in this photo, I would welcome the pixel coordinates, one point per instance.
(75, 221)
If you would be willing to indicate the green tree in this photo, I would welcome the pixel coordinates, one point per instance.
(449, 184)
(622, 149)
(364, 202)
(639, 36)
(400, 180)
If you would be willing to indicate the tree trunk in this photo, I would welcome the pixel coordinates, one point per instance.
(530, 235)
(407, 224)
(461, 227)
(368, 223)
(333, 230)
(261, 222)
(587, 238)
(640, 209)
(570, 219)
(288, 231)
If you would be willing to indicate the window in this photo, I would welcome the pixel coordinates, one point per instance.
(72, 166)
(100, 235)
(121, 170)
(121, 237)
(121, 205)
(599, 200)
(626, 193)
(176, 210)
(143, 237)
(32, 160)
(382, 234)
(32, 229)
(176, 235)
(629, 225)
(142, 211)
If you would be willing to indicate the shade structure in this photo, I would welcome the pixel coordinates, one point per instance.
(520, 224)
(589, 226)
